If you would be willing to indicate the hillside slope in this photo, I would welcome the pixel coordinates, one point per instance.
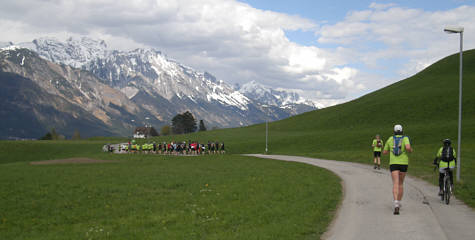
(28, 110)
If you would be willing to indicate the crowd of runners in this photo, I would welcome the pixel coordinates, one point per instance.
(172, 148)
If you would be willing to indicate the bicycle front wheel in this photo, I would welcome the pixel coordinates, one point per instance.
(447, 191)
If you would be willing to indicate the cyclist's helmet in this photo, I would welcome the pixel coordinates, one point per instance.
(447, 142)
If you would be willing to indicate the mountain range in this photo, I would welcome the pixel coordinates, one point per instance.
(98, 91)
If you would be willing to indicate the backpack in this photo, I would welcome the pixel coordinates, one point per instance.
(447, 154)
(397, 148)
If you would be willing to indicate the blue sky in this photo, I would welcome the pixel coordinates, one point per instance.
(332, 11)
(327, 51)
(335, 10)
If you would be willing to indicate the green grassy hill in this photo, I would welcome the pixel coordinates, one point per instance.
(426, 104)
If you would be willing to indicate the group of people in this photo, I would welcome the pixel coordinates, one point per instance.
(174, 148)
(398, 146)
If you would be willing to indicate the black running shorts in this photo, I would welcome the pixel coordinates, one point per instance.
(377, 154)
(398, 167)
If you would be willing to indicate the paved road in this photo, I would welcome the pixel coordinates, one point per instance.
(366, 211)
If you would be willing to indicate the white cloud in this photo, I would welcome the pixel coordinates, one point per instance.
(380, 6)
(395, 41)
(395, 32)
(231, 39)
(239, 43)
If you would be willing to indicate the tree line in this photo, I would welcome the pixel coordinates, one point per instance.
(180, 124)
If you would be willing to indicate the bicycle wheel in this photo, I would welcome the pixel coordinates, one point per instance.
(447, 190)
(442, 196)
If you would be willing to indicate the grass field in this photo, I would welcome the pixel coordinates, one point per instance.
(159, 197)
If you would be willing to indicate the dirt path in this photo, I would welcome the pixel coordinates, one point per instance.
(366, 211)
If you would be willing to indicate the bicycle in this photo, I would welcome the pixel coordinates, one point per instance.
(447, 187)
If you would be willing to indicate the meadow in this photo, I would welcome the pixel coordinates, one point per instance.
(159, 197)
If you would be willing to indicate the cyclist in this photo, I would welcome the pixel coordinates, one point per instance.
(377, 145)
(398, 146)
(448, 158)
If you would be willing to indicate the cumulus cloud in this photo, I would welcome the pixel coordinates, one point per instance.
(389, 32)
(239, 43)
(231, 39)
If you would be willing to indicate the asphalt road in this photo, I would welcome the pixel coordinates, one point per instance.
(366, 210)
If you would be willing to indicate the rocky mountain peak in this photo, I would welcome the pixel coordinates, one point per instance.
(75, 51)
(268, 96)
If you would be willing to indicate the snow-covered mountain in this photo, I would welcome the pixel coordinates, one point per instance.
(38, 95)
(163, 87)
(139, 69)
(269, 96)
(159, 84)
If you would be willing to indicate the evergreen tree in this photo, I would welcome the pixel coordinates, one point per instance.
(202, 126)
(184, 123)
(177, 124)
(189, 123)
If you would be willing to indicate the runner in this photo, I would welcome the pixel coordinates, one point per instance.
(169, 148)
(222, 148)
(203, 149)
(377, 145)
(134, 146)
(398, 146)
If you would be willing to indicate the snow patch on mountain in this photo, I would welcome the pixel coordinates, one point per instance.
(10, 48)
(75, 51)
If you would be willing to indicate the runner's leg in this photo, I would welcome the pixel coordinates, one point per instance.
(375, 160)
(402, 175)
(395, 177)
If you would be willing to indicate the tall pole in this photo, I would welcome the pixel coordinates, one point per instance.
(267, 124)
(267, 131)
(460, 110)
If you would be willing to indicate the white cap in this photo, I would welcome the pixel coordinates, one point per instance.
(397, 128)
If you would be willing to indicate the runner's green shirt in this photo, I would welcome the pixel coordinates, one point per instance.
(402, 159)
(375, 145)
